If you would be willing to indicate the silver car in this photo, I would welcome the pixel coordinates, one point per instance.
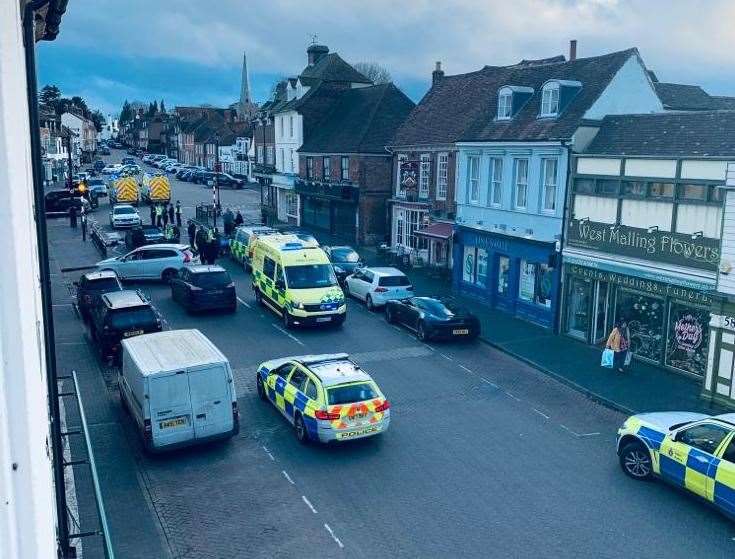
(156, 262)
(124, 215)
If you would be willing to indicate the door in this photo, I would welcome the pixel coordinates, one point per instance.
(601, 306)
(170, 407)
(688, 459)
(276, 385)
(410, 313)
(211, 400)
(358, 284)
(294, 392)
(578, 308)
(131, 265)
(724, 482)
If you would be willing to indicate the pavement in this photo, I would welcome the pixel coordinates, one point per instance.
(486, 456)
(644, 387)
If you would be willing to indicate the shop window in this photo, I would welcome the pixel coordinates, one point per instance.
(481, 278)
(661, 190)
(645, 317)
(535, 283)
(634, 188)
(503, 276)
(585, 186)
(696, 192)
(468, 264)
(578, 308)
(688, 338)
(608, 187)
(474, 266)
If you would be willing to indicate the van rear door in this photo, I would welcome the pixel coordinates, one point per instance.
(171, 417)
(211, 401)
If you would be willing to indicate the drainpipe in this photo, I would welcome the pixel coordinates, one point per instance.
(29, 42)
(562, 236)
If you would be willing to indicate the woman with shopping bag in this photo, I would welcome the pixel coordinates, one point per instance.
(618, 342)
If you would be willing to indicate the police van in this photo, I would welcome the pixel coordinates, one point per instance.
(295, 279)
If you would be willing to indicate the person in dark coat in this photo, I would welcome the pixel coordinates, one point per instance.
(228, 218)
(73, 217)
(211, 249)
(159, 215)
(171, 213)
(84, 225)
(164, 217)
(238, 219)
(153, 214)
(178, 214)
(201, 241)
(192, 230)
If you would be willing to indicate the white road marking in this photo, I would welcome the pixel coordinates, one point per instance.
(483, 379)
(516, 398)
(308, 504)
(294, 338)
(271, 456)
(431, 348)
(244, 303)
(288, 477)
(335, 538)
(466, 369)
(446, 357)
(589, 434)
(396, 327)
(542, 414)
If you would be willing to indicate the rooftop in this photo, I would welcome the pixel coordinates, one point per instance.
(127, 298)
(331, 68)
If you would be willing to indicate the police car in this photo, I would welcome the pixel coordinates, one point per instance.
(690, 450)
(325, 397)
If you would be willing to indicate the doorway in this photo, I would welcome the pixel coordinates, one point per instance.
(601, 306)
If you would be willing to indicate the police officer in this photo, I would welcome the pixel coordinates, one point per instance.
(153, 214)
(178, 214)
(238, 219)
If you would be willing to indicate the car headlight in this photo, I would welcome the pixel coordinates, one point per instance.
(297, 304)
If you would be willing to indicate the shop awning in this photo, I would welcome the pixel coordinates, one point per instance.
(437, 231)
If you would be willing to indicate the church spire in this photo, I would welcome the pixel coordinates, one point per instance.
(245, 99)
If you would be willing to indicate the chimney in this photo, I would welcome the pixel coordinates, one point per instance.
(315, 53)
(572, 50)
(437, 74)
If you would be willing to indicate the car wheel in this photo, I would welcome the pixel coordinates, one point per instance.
(635, 459)
(421, 332)
(287, 320)
(123, 402)
(369, 303)
(389, 315)
(260, 387)
(300, 428)
(168, 275)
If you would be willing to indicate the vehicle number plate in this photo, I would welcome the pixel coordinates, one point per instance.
(174, 422)
(462, 331)
(353, 434)
(133, 333)
(324, 319)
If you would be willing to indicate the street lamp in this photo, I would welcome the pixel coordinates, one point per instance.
(215, 185)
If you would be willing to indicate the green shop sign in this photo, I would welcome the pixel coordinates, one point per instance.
(660, 246)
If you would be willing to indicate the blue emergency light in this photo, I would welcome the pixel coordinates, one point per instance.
(292, 246)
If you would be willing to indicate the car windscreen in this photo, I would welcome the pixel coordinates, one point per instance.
(95, 182)
(393, 281)
(103, 285)
(350, 393)
(344, 255)
(133, 317)
(211, 280)
(310, 276)
(125, 210)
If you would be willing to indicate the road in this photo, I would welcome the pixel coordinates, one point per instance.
(485, 457)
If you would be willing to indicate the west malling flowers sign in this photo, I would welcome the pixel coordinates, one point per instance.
(660, 246)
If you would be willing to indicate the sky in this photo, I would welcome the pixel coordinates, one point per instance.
(189, 52)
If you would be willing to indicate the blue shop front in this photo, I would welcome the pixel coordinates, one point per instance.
(517, 275)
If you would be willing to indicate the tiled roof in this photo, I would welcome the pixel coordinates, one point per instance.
(685, 134)
(362, 120)
(463, 107)
(681, 97)
(331, 68)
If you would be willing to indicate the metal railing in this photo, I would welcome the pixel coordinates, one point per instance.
(103, 530)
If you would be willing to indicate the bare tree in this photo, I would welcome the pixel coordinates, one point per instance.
(374, 71)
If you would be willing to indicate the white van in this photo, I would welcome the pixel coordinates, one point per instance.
(179, 389)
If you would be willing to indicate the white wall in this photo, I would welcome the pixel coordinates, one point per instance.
(646, 213)
(598, 166)
(27, 506)
(288, 142)
(596, 208)
(726, 280)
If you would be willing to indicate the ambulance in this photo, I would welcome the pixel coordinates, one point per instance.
(156, 188)
(295, 279)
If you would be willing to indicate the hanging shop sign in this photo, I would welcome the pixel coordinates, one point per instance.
(409, 174)
(661, 246)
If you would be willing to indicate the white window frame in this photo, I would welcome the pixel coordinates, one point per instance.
(473, 180)
(520, 186)
(548, 183)
(505, 103)
(344, 172)
(400, 190)
(550, 99)
(424, 175)
(495, 177)
(280, 120)
(442, 175)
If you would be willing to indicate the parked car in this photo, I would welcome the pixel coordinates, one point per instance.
(124, 215)
(112, 169)
(147, 158)
(120, 315)
(345, 261)
(157, 262)
(60, 201)
(97, 187)
(377, 286)
(433, 318)
(181, 170)
(91, 287)
(223, 179)
(131, 151)
(199, 176)
(99, 165)
(199, 288)
(188, 175)
(178, 388)
(143, 235)
(103, 151)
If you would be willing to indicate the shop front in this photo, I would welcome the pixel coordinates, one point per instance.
(668, 315)
(516, 275)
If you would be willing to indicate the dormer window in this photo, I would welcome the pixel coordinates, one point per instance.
(550, 99)
(505, 103)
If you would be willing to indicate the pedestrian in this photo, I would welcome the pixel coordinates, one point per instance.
(153, 214)
(178, 214)
(211, 250)
(171, 213)
(159, 215)
(201, 240)
(84, 225)
(238, 219)
(228, 218)
(619, 342)
(191, 230)
(73, 217)
(164, 217)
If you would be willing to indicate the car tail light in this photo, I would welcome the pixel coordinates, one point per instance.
(147, 429)
(381, 289)
(321, 414)
(382, 407)
(187, 257)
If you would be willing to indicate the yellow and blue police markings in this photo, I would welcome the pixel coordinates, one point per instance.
(238, 249)
(288, 399)
(708, 475)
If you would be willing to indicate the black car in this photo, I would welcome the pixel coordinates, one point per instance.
(103, 151)
(344, 259)
(143, 235)
(120, 315)
(91, 287)
(200, 288)
(223, 179)
(198, 176)
(433, 318)
(60, 201)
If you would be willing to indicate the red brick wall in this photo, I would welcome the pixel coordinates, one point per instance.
(447, 206)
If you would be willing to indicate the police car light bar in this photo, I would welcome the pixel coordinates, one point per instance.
(292, 246)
